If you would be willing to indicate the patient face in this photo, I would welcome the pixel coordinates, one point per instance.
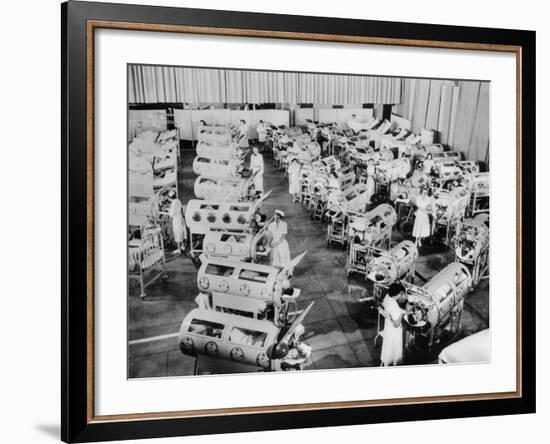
(401, 297)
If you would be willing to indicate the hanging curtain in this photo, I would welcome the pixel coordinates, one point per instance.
(235, 86)
(433, 105)
(458, 111)
(210, 85)
(159, 84)
(185, 86)
(143, 86)
(472, 122)
(448, 92)
(290, 88)
(420, 105)
(479, 144)
(264, 87)
(306, 88)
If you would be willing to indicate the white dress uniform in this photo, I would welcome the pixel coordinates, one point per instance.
(257, 167)
(353, 124)
(370, 180)
(421, 226)
(243, 133)
(294, 178)
(262, 133)
(392, 345)
(428, 166)
(280, 254)
(178, 223)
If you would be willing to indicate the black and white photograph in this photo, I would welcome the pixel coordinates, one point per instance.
(288, 221)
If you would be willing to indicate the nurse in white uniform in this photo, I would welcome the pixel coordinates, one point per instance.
(392, 345)
(333, 183)
(371, 170)
(257, 167)
(352, 123)
(178, 222)
(262, 134)
(243, 134)
(294, 179)
(422, 228)
(280, 253)
(428, 164)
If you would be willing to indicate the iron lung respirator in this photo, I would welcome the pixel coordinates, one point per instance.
(439, 301)
(393, 264)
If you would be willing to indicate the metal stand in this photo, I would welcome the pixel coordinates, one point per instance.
(336, 232)
(152, 261)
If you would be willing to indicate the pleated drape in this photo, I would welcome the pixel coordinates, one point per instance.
(458, 111)
(159, 84)
(471, 134)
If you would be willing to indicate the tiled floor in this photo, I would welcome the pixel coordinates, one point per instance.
(340, 327)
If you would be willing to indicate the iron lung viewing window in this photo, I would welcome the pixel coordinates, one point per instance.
(206, 328)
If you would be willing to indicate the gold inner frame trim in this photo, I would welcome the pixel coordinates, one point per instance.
(98, 24)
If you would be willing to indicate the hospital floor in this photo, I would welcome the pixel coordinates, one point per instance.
(341, 325)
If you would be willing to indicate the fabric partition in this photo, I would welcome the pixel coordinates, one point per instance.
(182, 119)
(400, 122)
(301, 114)
(169, 84)
(278, 117)
(342, 115)
(151, 119)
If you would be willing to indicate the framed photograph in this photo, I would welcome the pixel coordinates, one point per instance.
(275, 221)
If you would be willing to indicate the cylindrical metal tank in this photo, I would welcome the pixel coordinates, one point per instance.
(219, 188)
(442, 294)
(226, 151)
(392, 170)
(393, 264)
(225, 275)
(375, 225)
(206, 166)
(472, 239)
(227, 336)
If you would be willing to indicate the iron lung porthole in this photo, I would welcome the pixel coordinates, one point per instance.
(211, 348)
(237, 354)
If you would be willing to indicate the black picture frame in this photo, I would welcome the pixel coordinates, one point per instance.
(77, 425)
